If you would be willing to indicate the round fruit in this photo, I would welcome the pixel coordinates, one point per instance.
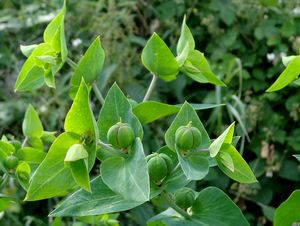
(188, 137)
(11, 162)
(120, 135)
(184, 198)
(168, 161)
(157, 168)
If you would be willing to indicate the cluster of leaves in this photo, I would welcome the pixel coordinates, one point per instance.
(124, 181)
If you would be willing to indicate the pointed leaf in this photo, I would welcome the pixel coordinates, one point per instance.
(226, 160)
(80, 173)
(116, 107)
(32, 125)
(23, 174)
(297, 157)
(76, 152)
(121, 174)
(158, 59)
(225, 137)
(101, 200)
(197, 68)
(242, 172)
(286, 60)
(290, 73)
(89, 66)
(288, 211)
(51, 177)
(186, 114)
(27, 50)
(31, 155)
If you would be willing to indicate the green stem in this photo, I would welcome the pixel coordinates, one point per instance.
(71, 63)
(24, 142)
(150, 88)
(97, 92)
(173, 205)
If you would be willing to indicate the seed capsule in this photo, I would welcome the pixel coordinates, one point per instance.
(188, 137)
(184, 198)
(11, 162)
(120, 135)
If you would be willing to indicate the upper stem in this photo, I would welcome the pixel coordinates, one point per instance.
(173, 205)
(97, 92)
(150, 88)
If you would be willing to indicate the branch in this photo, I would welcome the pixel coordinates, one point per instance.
(150, 88)
(97, 92)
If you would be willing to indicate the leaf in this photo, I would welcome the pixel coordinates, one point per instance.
(7, 147)
(76, 152)
(80, 120)
(116, 107)
(197, 68)
(186, 114)
(32, 125)
(89, 67)
(226, 160)
(186, 42)
(80, 173)
(287, 213)
(27, 50)
(51, 177)
(225, 137)
(242, 172)
(158, 59)
(54, 33)
(297, 157)
(101, 200)
(150, 111)
(211, 207)
(31, 75)
(48, 136)
(214, 207)
(287, 59)
(121, 174)
(23, 174)
(31, 155)
(290, 73)
(194, 166)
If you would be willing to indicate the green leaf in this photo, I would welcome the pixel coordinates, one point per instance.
(194, 166)
(31, 155)
(214, 207)
(101, 200)
(80, 173)
(290, 73)
(5, 202)
(211, 207)
(31, 75)
(128, 176)
(186, 42)
(225, 137)
(89, 66)
(197, 68)
(158, 59)
(32, 125)
(48, 136)
(116, 107)
(186, 114)
(51, 177)
(23, 174)
(80, 120)
(36, 142)
(76, 152)
(287, 59)
(242, 172)
(7, 147)
(226, 160)
(54, 33)
(27, 50)
(297, 157)
(150, 111)
(47, 59)
(287, 213)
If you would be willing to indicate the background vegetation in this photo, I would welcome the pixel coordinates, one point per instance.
(243, 40)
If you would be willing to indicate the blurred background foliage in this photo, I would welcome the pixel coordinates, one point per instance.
(244, 41)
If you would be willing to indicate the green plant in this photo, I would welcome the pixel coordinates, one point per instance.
(124, 181)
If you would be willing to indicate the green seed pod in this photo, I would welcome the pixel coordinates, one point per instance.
(188, 137)
(184, 198)
(157, 168)
(11, 162)
(17, 144)
(120, 135)
(168, 161)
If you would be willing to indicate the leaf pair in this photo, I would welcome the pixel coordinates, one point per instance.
(45, 59)
(52, 178)
(160, 61)
(229, 159)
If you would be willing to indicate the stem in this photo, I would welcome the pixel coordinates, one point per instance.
(97, 92)
(24, 142)
(150, 88)
(110, 148)
(71, 63)
(173, 205)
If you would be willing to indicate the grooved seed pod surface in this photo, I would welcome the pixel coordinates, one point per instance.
(120, 135)
(184, 198)
(11, 162)
(188, 137)
(157, 168)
